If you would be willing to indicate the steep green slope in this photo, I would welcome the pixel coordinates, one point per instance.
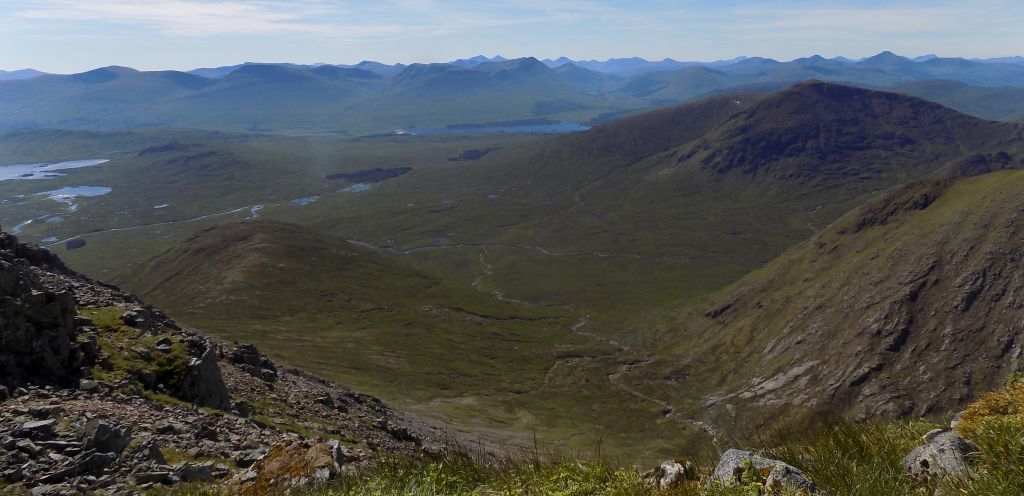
(907, 306)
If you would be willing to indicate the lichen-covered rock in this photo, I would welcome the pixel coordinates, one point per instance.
(735, 464)
(944, 454)
(291, 465)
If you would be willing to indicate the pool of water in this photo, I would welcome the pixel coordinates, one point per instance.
(357, 187)
(304, 201)
(67, 194)
(45, 170)
(552, 127)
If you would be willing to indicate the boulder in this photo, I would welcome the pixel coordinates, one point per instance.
(290, 465)
(671, 473)
(195, 472)
(36, 429)
(203, 385)
(103, 437)
(138, 318)
(944, 454)
(87, 463)
(735, 465)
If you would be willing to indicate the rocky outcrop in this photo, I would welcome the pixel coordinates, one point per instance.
(944, 454)
(737, 467)
(64, 431)
(249, 359)
(202, 384)
(37, 325)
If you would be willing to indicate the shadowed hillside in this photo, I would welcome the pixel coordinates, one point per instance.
(908, 305)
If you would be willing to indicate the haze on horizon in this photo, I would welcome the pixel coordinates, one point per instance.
(76, 35)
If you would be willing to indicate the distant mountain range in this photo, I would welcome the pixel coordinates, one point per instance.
(620, 66)
(370, 97)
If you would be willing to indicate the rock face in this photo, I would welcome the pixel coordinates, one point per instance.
(37, 325)
(944, 454)
(734, 467)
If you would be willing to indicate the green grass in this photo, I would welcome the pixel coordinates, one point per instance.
(118, 341)
(840, 458)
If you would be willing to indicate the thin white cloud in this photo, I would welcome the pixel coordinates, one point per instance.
(333, 20)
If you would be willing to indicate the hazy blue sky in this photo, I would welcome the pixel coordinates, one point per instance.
(74, 35)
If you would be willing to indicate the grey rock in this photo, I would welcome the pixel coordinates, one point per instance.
(343, 455)
(142, 353)
(4, 393)
(247, 358)
(45, 412)
(154, 477)
(671, 473)
(148, 451)
(242, 408)
(167, 428)
(956, 420)
(36, 429)
(12, 475)
(203, 384)
(60, 445)
(103, 437)
(245, 459)
(28, 447)
(944, 454)
(189, 472)
(734, 463)
(52, 490)
(88, 385)
(208, 432)
(137, 318)
(88, 463)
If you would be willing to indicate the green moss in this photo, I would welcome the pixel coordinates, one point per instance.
(118, 342)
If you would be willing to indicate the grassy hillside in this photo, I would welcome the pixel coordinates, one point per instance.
(905, 307)
(599, 227)
(715, 188)
(495, 370)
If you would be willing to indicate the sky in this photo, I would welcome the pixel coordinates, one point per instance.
(64, 36)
